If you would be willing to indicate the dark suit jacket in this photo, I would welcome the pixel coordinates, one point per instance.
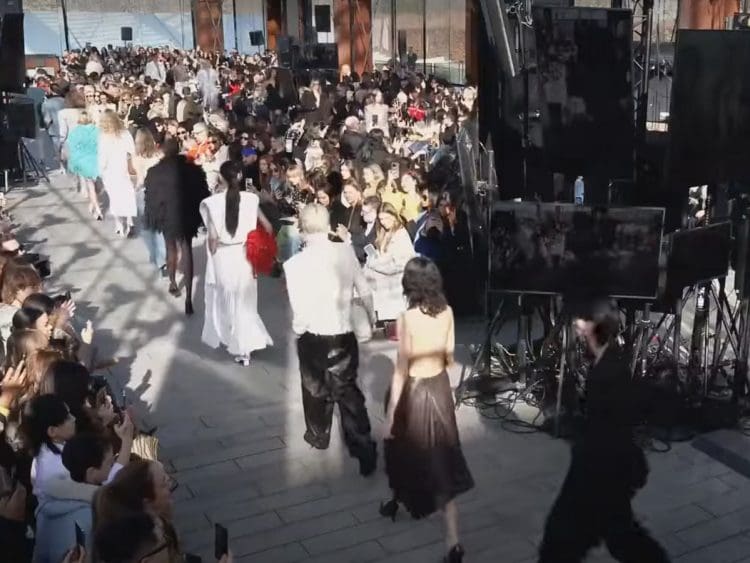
(351, 142)
(362, 239)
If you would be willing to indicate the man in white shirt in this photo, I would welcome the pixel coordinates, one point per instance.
(321, 281)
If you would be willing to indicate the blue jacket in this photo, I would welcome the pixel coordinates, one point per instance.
(55, 527)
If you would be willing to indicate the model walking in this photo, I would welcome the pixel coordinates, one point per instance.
(424, 462)
(231, 289)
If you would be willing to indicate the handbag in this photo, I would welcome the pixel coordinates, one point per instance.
(261, 250)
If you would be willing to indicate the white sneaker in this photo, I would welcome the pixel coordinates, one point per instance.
(242, 360)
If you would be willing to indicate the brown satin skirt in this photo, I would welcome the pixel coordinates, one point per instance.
(424, 462)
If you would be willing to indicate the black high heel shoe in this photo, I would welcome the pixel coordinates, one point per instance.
(389, 509)
(455, 555)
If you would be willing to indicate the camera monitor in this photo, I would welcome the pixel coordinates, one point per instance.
(576, 250)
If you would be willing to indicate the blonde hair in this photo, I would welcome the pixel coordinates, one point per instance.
(84, 118)
(314, 219)
(144, 143)
(378, 176)
(383, 237)
(110, 123)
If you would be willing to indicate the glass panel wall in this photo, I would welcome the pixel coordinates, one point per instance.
(422, 34)
(383, 49)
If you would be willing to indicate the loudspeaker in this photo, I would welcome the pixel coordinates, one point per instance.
(12, 62)
(256, 38)
(500, 34)
(323, 18)
(17, 117)
(402, 45)
(126, 33)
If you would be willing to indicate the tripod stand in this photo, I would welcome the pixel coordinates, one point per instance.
(29, 166)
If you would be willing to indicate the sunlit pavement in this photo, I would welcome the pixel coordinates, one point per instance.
(232, 436)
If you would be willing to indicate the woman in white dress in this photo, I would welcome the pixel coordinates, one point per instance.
(231, 290)
(116, 150)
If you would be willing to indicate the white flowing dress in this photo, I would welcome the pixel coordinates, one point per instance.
(231, 290)
(113, 169)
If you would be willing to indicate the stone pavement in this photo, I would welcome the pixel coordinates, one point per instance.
(232, 436)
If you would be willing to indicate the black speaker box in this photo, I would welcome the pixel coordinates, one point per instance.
(17, 118)
(12, 61)
(256, 38)
(126, 33)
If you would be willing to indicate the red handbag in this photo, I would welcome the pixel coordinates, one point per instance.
(261, 250)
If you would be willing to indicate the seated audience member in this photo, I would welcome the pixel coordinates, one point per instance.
(19, 281)
(46, 425)
(141, 488)
(89, 459)
(135, 538)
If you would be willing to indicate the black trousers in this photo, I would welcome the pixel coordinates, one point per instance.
(328, 366)
(594, 506)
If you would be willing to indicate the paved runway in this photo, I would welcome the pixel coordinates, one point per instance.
(233, 435)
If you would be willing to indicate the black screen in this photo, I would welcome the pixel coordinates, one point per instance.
(322, 18)
(699, 255)
(710, 112)
(585, 84)
(567, 249)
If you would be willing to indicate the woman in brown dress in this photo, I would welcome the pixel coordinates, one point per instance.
(424, 462)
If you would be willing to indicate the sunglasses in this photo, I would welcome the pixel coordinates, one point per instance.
(245, 138)
(182, 133)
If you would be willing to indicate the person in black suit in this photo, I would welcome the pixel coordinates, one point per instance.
(364, 232)
(351, 139)
(607, 467)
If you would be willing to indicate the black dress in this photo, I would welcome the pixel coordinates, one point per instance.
(174, 189)
(424, 462)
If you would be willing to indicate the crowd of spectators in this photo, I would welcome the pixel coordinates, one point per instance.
(377, 150)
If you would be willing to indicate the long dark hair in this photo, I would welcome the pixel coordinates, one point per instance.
(423, 286)
(232, 173)
(39, 414)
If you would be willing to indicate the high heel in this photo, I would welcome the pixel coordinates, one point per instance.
(389, 509)
(455, 555)
(189, 308)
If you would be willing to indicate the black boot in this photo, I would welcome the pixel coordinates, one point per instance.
(389, 509)
(455, 555)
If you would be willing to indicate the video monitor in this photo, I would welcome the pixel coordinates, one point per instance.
(699, 255)
(576, 250)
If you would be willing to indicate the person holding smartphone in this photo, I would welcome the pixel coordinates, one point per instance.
(376, 115)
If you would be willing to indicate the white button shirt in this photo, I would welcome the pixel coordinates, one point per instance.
(321, 281)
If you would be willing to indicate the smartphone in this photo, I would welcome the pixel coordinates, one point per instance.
(375, 119)
(80, 539)
(370, 250)
(221, 541)
(248, 183)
